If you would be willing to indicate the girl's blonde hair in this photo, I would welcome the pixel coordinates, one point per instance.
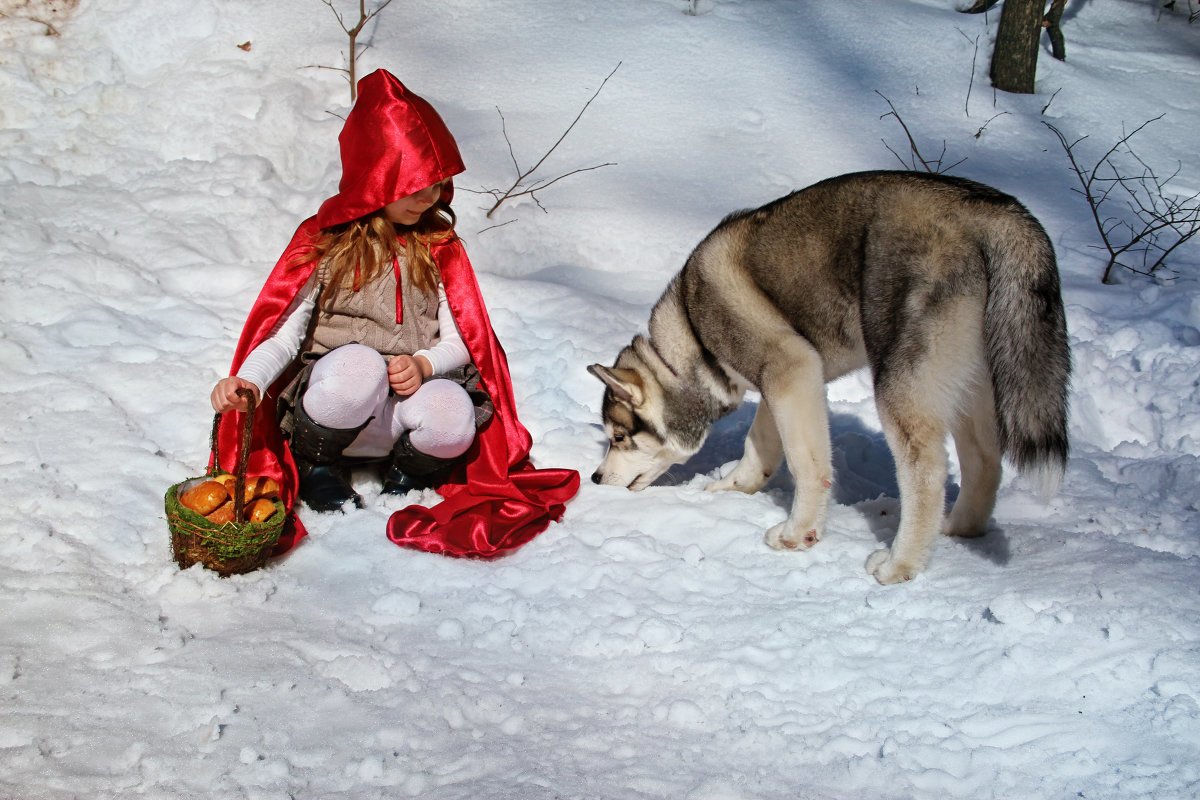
(359, 251)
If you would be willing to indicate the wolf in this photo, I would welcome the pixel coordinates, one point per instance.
(947, 289)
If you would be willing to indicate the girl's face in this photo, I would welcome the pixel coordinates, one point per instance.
(407, 210)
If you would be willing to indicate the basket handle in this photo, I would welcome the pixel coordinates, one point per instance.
(239, 474)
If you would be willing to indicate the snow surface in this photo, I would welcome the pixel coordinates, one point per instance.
(650, 645)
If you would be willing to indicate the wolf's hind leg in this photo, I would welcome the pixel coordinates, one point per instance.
(929, 387)
(762, 455)
(918, 445)
(978, 447)
(794, 388)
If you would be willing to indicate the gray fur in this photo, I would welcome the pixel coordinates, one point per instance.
(947, 289)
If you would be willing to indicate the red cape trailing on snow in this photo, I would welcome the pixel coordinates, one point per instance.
(393, 145)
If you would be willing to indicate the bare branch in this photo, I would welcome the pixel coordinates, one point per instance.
(935, 165)
(540, 185)
(519, 186)
(507, 141)
(983, 127)
(338, 14)
(498, 225)
(1046, 107)
(971, 84)
(1153, 211)
(50, 29)
(355, 51)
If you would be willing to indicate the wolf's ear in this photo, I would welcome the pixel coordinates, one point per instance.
(626, 384)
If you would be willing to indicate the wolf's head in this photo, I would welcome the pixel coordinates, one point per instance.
(647, 418)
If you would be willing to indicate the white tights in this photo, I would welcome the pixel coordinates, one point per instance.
(349, 385)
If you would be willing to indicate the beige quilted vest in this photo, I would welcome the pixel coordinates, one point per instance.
(368, 316)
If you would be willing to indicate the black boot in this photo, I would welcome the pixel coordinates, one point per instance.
(324, 475)
(411, 469)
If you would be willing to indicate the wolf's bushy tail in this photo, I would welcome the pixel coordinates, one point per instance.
(1025, 330)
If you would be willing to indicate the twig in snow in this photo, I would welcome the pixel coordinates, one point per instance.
(519, 187)
(1151, 210)
(971, 84)
(50, 29)
(934, 166)
(363, 18)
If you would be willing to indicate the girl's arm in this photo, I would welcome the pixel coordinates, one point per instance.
(407, 373)
(267, 361)
(450, 352)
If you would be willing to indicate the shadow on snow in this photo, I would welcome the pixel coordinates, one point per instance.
(864, 475)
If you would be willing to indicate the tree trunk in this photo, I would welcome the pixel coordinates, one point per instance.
(1014, 61)
(1058, 47)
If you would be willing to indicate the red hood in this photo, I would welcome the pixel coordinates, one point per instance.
(393, 144)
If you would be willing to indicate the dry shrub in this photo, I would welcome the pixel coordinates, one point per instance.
(44, 12)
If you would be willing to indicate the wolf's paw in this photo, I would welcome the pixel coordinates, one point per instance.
(783, 537)
(725, 484)
(964, 529)
(886, 570)
(738, 481)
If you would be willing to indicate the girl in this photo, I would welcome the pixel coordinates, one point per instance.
(372, 340)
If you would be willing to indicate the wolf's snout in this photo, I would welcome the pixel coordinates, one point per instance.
(602, 478)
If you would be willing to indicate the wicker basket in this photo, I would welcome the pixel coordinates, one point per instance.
(234, 547)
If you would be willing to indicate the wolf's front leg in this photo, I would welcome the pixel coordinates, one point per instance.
(761, 457)
(797, 400)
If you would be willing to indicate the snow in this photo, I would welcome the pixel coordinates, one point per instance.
(649, 645)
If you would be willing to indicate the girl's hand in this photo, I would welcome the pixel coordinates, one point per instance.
(407, 373)
(225, 396)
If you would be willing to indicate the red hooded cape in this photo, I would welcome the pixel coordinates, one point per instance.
(394, 144)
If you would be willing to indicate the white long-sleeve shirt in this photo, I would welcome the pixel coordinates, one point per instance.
(266, 362)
